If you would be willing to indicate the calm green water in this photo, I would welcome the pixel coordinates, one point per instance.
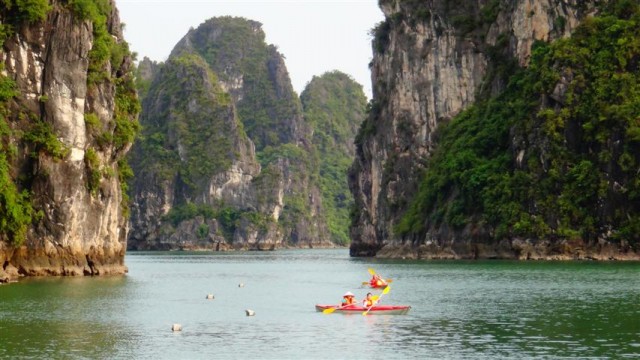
(474, 310)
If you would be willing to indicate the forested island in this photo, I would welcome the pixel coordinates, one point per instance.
(230, 157)
(501, 130)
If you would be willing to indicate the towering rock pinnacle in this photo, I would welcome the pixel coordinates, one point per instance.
(334, 106)
(433, 59)
(226, 161)
(67, 125)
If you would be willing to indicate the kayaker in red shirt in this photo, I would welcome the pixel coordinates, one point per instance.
(368, 302)
(377, 282)
(348, 299)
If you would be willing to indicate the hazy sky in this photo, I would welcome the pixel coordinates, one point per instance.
(314, 36)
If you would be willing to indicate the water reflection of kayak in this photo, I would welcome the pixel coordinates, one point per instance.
(376, 310)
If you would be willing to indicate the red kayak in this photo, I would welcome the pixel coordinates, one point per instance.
(376, 310)
(376, 286)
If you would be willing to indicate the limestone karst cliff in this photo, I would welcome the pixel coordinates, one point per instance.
(524, 171)
(334, 106)
(68, 117)
(225, 160)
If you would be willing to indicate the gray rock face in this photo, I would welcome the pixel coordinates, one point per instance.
(429, 63)
(80, 231)
(161, 186)
(210, 109)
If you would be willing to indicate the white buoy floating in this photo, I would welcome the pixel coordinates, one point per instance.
(241, 285)
(209, 297)
(250, 312)
(176, 327)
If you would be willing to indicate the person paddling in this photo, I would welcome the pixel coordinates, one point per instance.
(377, 282)
(368, 301)
(348, 299)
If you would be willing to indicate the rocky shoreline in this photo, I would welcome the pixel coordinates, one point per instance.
(23, 262)
(53, 260)
(516, 249)
(224, 247)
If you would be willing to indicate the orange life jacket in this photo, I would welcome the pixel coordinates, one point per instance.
(368, 303)
(377, 281)
(348, 300)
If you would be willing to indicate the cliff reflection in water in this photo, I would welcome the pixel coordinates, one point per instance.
(64, 318)
(460, 309)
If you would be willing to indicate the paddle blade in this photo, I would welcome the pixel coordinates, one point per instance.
(371, 271)
(386, 290)
(365, 283)
(329, 310)
(375, 297)
(389, 280)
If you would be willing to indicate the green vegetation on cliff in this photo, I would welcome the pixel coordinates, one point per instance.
(334, 106)
(189, 134)
(16, 212)
(267, 106)
(554, 156)
(228, 218)
(301, 166)
(239, 54)
(197, 140)
(468, 18)
(23, 11)
(21, 129)
(106, 62)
